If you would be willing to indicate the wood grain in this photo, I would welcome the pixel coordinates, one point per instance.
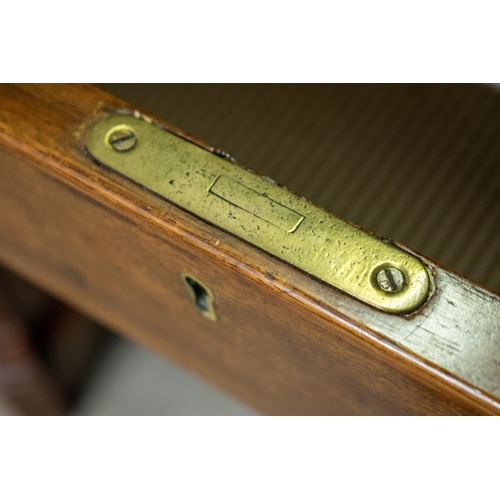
(283, 342)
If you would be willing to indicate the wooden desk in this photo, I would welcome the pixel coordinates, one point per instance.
(284, 342)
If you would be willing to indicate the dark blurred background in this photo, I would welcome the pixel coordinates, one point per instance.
(416, 163)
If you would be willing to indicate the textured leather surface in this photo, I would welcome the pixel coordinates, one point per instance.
(416, 163)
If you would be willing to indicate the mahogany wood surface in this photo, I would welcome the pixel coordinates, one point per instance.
(281, 341)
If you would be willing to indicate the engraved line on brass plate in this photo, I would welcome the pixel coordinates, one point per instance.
(255, 203)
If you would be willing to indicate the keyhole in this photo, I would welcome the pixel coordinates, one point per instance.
(201, 296)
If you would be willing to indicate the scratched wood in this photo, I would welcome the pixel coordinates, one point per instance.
(283, 342)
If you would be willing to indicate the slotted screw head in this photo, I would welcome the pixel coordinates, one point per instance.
(123, 139)
(390, 279)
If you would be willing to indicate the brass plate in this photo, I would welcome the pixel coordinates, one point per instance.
(260, 212)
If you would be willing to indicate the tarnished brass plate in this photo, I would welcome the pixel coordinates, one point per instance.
(261, 212)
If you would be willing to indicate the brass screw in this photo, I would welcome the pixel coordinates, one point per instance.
(390, 279)
(123, 140)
